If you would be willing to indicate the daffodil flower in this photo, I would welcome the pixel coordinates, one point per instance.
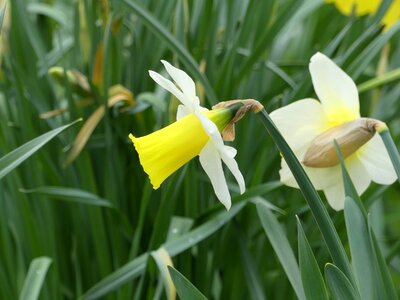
(196, 132)
(363, 7)
(310, 127)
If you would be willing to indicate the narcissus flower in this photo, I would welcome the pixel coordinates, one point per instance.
(197, 131)
(310, 127)
(363, 7)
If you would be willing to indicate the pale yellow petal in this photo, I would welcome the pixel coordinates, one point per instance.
(376, 161)
(300, 122)
(335, 89)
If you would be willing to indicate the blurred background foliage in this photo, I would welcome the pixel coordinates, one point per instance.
(84, 201)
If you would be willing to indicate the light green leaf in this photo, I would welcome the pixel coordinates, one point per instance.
(34, 279)
(391, 149)
(279, 242)
(363, 259)
(339, 284)
(13, 159)
(69, 194)
(311, 277)
(184, 288)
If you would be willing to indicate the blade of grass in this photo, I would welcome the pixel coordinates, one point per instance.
(339, 284)
(159, 29)
(389, 287)
(391, 149)
(34, 279)
(136, 267)
(363, 259)
(69, 194)
(311, 277)
(380, 80)
(253, 280)
(280, 243)
(184, 288)
(319, 211)
(13, 159)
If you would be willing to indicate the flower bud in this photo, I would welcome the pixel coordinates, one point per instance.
(349, 136)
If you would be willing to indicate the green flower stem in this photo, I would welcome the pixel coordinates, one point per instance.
(391, 149)
(318, 209)
(380, 80)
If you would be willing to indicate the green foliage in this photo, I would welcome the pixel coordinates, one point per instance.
(103, 235)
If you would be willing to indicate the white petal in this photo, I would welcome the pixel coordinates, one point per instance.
(321, 178)
(300, 122)
(335, 196)
(361, 180)
(335, 89)
(184, 82)
(376, 160)
(358, 173)
(171, 87)
(182, 111)
(212, 131)
(232, 165)
(210, 160)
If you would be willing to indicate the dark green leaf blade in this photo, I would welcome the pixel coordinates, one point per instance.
(13, 159)
(281, 246)
(311, 277)
(339, 284)
(184, 288)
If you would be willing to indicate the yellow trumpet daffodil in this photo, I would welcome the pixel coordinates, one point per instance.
(196, 132)
(363, 7)
(310, 127)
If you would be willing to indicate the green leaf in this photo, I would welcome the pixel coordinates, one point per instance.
(311, 277)
(250, 273)
(34, 279)
(137, 266)
(360, 64)
(339, 284)
(13, 159)
(379, 80)
(69, 194)
(159, 29)
(362, 255)
(388, 285)
(391, 149)
(318, 209)
(279, 242)
(184, 288)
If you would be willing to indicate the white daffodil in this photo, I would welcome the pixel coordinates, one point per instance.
(195, 133)
(310, 127)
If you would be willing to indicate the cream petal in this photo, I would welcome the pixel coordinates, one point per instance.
(210, 160)
(228, 158)
(183, 81)
(300, 122)
(321, 178)
(335, 89)
(358, 173)
(171, 87)
(360, 178)
(335, 196)
(373, 155)
(212, 131)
